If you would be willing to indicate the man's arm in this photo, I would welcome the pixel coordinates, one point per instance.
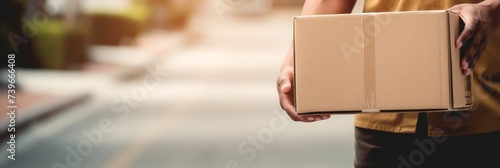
(285, 80)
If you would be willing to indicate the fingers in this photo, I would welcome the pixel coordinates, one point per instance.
(472, 60)
(313, 118)
(466, 34)
(460, 40)
(474, 51)
(284, 85)
(287, 105)
(479, 47)
(474, 33)
(286, 96)
(285, 80)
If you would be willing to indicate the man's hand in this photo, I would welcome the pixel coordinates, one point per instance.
(285, 92)
(285, 80)
(479, 21)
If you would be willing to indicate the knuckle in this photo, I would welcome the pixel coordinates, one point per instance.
(278, 82)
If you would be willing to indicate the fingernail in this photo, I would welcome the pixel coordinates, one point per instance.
(325, 117)
(317, 119)
(465, 65)
(310, 118)
(459, 44)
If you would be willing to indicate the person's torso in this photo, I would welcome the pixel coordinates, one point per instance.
(485, 117)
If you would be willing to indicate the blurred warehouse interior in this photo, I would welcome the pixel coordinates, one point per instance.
(76, 26)
(218, 60)
(90, 35)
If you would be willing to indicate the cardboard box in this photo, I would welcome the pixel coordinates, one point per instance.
(379, 62)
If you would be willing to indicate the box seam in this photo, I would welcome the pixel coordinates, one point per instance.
(294, 86)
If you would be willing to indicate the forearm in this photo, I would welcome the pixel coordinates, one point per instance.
(493, 7)
(318, 7)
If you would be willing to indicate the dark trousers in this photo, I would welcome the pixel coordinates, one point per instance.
(380, 149)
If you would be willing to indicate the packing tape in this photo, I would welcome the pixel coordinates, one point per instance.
(369, 30)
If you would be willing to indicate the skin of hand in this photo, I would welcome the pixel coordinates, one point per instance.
(480, 19)
(286, 77)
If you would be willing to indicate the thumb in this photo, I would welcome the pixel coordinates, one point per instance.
(285, 85)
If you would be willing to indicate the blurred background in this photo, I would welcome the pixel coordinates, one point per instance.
(157, 83)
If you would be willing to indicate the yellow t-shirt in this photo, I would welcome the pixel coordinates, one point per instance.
(485, 116)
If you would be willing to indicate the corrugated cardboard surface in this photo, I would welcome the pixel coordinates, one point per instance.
(377, 62)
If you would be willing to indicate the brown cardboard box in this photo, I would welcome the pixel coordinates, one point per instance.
(379, 62)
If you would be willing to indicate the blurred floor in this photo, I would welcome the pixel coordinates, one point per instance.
(212, 97)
